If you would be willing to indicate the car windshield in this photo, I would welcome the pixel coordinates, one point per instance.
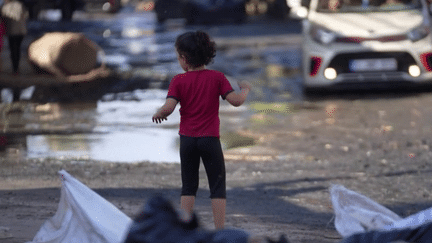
(338, 6)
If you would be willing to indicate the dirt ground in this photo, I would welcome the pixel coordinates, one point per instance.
(278, 183)
(378, 145)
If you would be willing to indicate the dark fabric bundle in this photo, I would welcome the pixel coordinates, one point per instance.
(160, 223)
(420, 234)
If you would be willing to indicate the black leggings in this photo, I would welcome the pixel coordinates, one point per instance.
(210, 150)
(15, 50)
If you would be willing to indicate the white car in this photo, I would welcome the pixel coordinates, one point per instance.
(366, 41)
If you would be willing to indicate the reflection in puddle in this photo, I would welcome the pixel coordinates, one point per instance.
(117, 131)
(123, 132)
(156, 145)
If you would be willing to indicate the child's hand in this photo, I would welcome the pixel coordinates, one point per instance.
(158, 119)
(244, 85)
(163, 112)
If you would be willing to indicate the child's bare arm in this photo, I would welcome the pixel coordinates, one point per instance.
(165, 110)
(238, 98)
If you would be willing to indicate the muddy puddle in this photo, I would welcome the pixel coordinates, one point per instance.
(118, 126)
(114, 131)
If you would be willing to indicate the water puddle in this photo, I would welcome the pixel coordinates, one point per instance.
(118, 127)
(155, 145)
(111, 131)
(115, 131)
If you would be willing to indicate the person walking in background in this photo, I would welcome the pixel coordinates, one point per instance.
(15, 15)
(198, 91)
(2, 34)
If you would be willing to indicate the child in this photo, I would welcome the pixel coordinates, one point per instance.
(198, 91)
(15, 15)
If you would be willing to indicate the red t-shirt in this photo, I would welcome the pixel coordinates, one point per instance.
(198, 93)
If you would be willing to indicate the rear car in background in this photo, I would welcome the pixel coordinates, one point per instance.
(355, 43)
(218, 11)
(68, 7)
(201, 11)
(275, 9)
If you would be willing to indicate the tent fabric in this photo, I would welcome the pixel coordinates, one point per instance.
(83, 217)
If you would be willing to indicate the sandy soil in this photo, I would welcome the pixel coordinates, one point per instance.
(378, 146)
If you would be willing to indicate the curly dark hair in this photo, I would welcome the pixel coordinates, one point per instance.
(197, 47)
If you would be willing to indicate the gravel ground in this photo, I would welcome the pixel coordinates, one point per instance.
(378, 145)
(278, 183)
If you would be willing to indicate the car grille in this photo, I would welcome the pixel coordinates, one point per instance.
(380, 39)
(341, 62)
(369, 77)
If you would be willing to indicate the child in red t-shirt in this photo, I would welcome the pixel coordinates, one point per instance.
(198, 91)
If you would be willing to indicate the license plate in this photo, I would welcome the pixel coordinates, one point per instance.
(365, 65)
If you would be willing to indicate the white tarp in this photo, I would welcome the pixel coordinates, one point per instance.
(83, 217)
(355, 213)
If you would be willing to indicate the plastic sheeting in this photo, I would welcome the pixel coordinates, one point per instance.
(83, 217)
(355, 213)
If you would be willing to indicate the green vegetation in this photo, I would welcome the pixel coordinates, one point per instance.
(271, 107)
(233, 140)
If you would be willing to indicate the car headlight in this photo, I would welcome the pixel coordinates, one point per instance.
(418, 33)
(322, 35)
